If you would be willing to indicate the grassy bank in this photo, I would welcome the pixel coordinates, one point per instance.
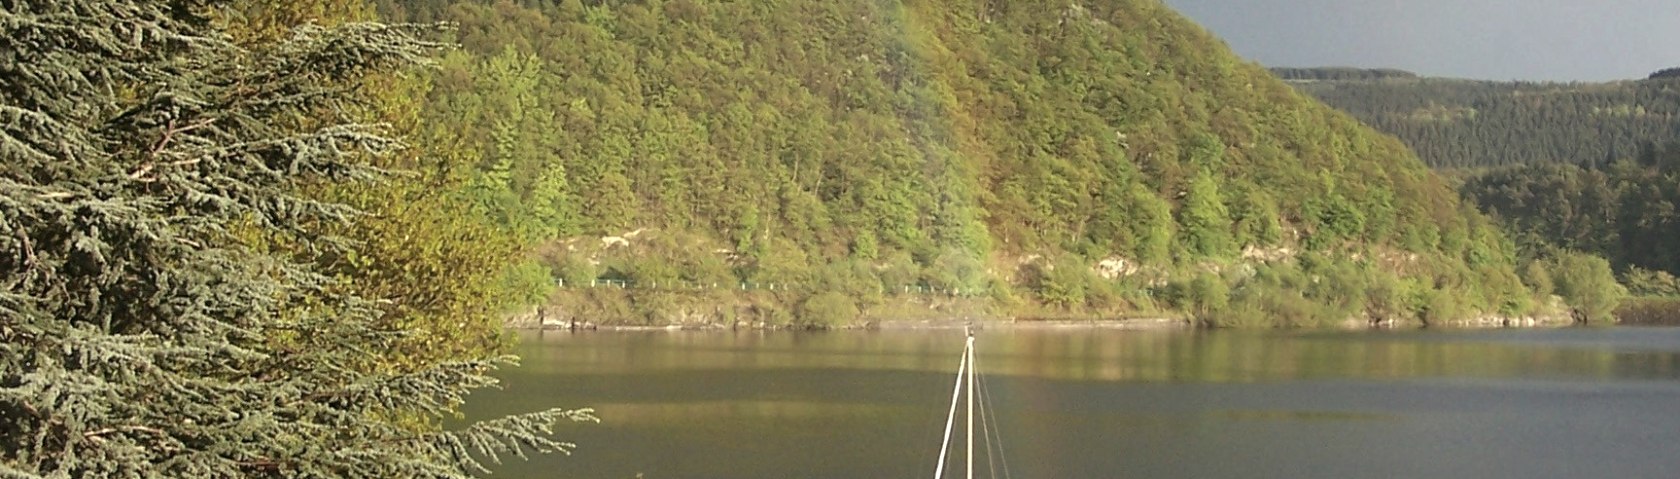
(1649, 311)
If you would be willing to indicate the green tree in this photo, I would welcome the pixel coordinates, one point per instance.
(826, 309)
(606, 193)
(1208, 295)
(1206, 224)
(1064, 282)
(1534, 275)
(1588, 286)
(1337, 219)
(438, 271)
(138, 337)
(553, 205)
(1644, 282)
(1257, 218)
(1152, 224)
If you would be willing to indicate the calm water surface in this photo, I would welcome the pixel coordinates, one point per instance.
(1097, 404)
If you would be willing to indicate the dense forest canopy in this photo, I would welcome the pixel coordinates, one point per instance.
(1478, 124)
(1340, 74)
(954, 145)
(1585, 167)
(1625, 212)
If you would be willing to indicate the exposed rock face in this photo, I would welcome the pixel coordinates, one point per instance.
(1115, 267)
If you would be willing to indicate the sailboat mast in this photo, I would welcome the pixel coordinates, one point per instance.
(970, 359)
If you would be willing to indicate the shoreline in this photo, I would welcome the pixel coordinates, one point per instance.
(1128, 324)
(1138, 324)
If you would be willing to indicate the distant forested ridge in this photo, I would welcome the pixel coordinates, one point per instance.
(1340, 74)
(1665, 73)
(1106, 156)
(1626, 211)
(1587, 167)
(1475, 124)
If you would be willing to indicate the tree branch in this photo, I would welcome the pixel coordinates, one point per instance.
(112, 430)
(168, 136)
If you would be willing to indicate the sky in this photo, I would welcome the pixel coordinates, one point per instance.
(1542, 40)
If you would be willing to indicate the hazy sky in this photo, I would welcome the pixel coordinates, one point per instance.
(1484, 39)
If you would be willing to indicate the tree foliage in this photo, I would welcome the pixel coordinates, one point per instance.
(1341, 74)
(442, 275)
(959, 134)
(140, 334)
(1625, 212)
(1483, 124)
(1588, 286)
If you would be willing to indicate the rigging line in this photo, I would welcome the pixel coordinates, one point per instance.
(986, 395)
(951, 419)
(986, 426)
(929, 433)
(988, 413)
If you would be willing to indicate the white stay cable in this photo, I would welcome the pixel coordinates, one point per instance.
(951, 419)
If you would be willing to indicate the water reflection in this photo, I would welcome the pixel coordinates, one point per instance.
(1094, 403)
(1130, 356)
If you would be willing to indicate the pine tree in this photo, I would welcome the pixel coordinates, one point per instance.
(438, 272)
(138, 337)
(552, 203)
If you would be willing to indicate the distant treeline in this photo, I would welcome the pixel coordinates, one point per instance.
(1478, 124)
(1340, 74)
(1666, 73)
(1625, 212)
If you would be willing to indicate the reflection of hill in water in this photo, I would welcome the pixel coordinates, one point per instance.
(1095, 355)
(1205, 404)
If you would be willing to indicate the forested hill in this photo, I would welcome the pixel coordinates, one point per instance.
(1473, 124)
(957, 145)
(1340, 74)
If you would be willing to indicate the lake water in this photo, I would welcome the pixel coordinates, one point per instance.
(1091, 403)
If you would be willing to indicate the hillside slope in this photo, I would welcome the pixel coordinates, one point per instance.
(1003, 148)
